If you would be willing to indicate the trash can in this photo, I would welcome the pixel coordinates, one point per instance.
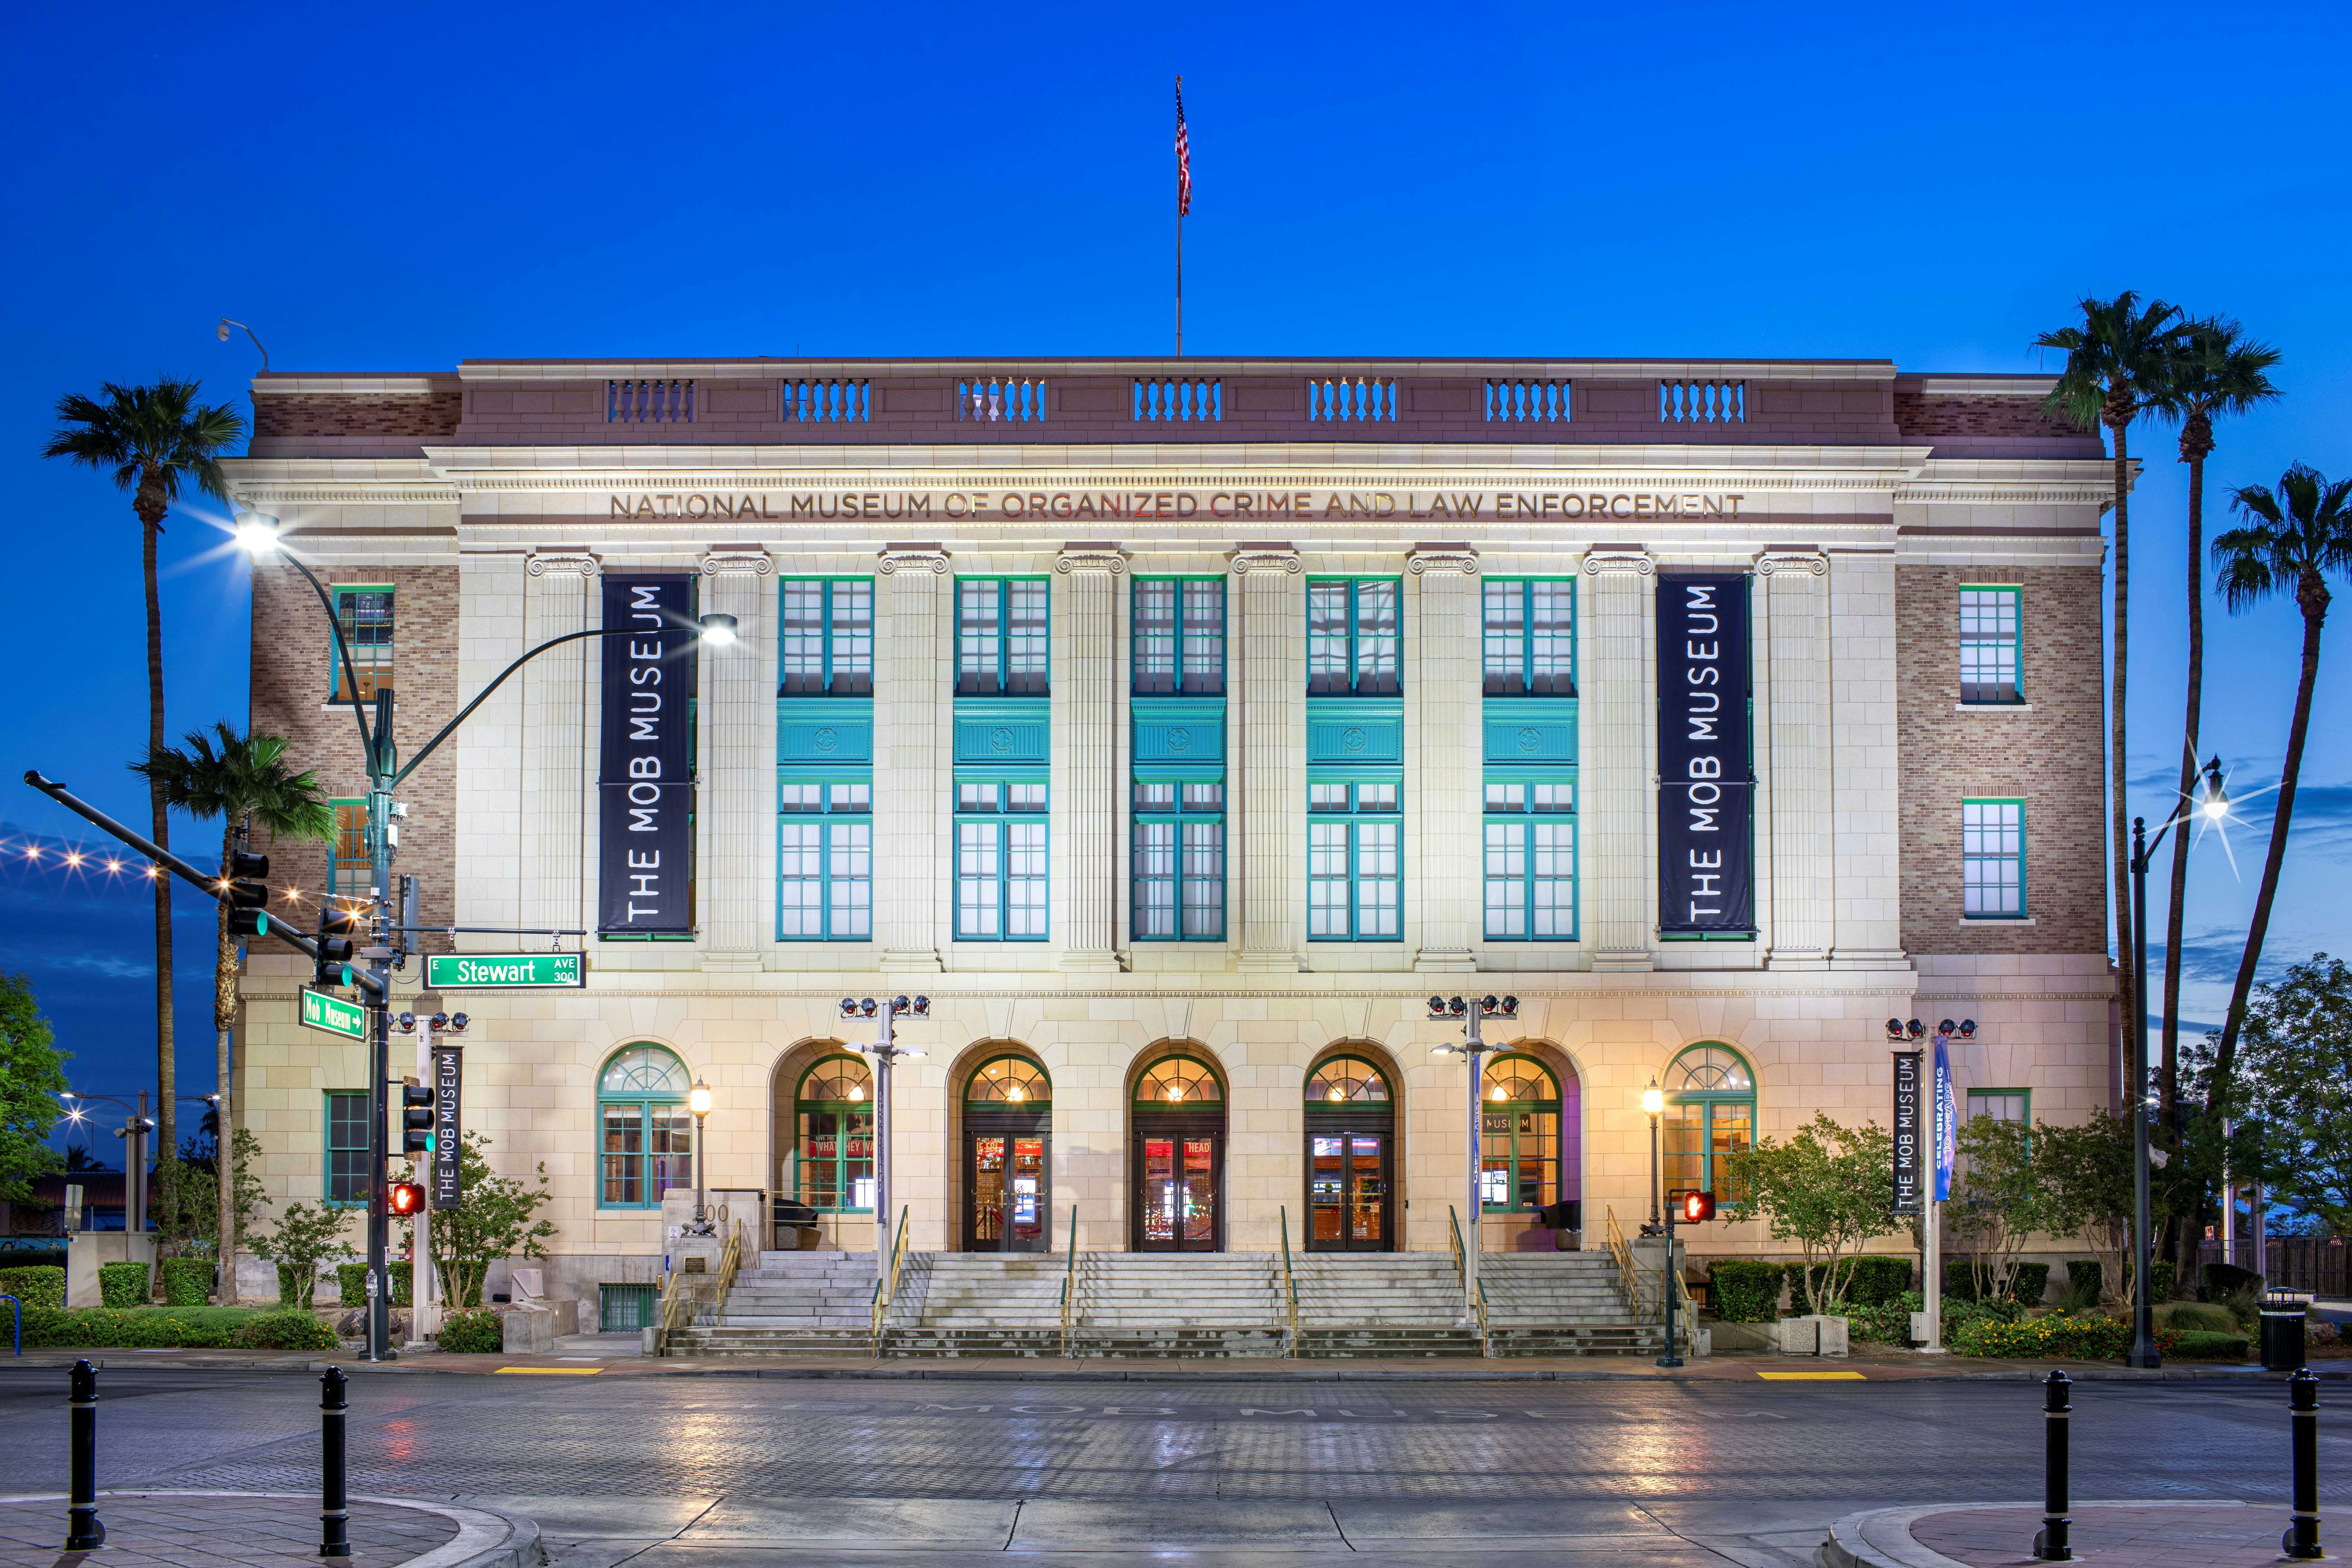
(2283, 1323)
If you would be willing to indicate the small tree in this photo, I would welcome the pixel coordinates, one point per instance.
(492, 1220)
(2088, 1169)
(2003, 1198)
(2295, 1058)
(1830, 1188)
(32, 1075)
(305, 1238)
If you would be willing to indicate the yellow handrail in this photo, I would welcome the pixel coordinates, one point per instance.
(1289, 1281)
(885, 1279)
(1629, 1278)
(1070, 1281)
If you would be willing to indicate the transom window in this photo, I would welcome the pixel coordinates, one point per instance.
(828, 638)
(833, 1110)
(1710, 1115)
(647, 1132)
(1518, 1135)
(1001, 861)
(1179, 860)
(1992, 859)
(1355, 861)
(1178, 1080)
(825, 860)
(365, 613)
(1353, 637)
(1343, 1078)
(1009, 1080)
(1179, 636)
(1530, 637)
(1989, 656)
(1001, 642)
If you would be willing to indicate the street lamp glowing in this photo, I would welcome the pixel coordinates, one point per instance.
(256, 534)
(1653, 1102)
(2216, 804)
(697, 1099)
(717, 629)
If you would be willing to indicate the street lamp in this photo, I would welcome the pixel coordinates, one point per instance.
(2211, 803)
(1468, 1014)
(697, 1100)
(136, 1125)
(1653, 1105)
(885, 1052)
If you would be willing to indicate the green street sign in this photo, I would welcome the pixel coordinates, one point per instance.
(502, 971)
(333, 1016)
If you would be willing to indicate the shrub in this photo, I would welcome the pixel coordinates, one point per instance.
(2222, 1280)
(350, 1281)
(1745, 1291)
(187, 1281)
(290, 1293)
(1885, 1322)
(473, 1333)
(2203, 1345)
(2081, 1339)
(1961, 1279)
(2197, 1316)
(283, 1331)
(123, 1285)
(1878, 1282)
(2030, 1284)
(2082, 1279)
(137, 1328)
(37, 1285)
(2160, 1280)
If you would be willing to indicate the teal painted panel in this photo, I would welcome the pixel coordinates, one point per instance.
(1188, 739)
(986, 740)
(1522, 730)
(1350, 740)
(831, 731)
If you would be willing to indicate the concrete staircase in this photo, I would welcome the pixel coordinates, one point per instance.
(1180, 1304)
(1380, 1304)
(790, 1303)
(978, 1303)
(1560, 1303)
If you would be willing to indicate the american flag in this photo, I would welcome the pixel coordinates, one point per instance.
(1183, 156)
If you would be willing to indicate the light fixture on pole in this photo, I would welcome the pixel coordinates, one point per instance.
(222, 332)
(887, 1052)
(136, 1125)
(1468, 1013)
(1653, 1105)
(697, 1100)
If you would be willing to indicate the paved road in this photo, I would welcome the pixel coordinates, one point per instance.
(711, 1469)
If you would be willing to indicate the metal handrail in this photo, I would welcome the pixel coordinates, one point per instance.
(729, 1261)
(1461, 1264)
(885, 1279)
(1289, 1279)
(1485, 1346)
(1070, 1281)
(1688, 1322)
(1629, 1277)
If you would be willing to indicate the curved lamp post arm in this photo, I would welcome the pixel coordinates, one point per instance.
(484, 695)
(343, 652)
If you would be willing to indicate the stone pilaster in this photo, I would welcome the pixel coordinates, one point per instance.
(1619, 795)
(738, 804)
(490, 828)
(1445, 771)
(557, 766)
(1086, 784)
(1866, 778)
(1796, 752)
(1270, 722)
(911, 715)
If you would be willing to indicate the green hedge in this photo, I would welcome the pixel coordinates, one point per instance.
(2227, 1279)
(2076, 1339)
(291, 1294)
(2031, 1283)
(473, 1333)
(124, 1284)
(187, 1281)
(1879, 1280)
(191, 1328)
(2084, 1274)
(283, 1331)
(351, 1283)
(1743, 1290)
(2204, 1344)
(37, 1285)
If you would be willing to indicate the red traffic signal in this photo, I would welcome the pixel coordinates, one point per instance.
(406, 1198)
(1693, 1208)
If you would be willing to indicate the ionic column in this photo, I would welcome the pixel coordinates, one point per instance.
(490, 827)
(1446, 768)
(911, 711)
(1619, 802)
(1796, 756)
(1270, 697)
(1085, 788)
(1866, 779)
(558, 690)
(738, 716)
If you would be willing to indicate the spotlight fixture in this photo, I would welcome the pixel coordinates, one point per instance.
(1916, 1029)
(405, 1023)
(1894, 1028)
(1968, 1028)
(1946, 1027)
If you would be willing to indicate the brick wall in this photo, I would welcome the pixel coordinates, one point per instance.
(291, 649)
(2050, 757)
(428, 417)
(1922, 414)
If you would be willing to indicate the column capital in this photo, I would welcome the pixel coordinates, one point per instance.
(562, 563)
(1638, 562)
(1279, 558)
(1090, 557)
(1774, 563)
(1428, 558)
(897, 558)
(741, 560)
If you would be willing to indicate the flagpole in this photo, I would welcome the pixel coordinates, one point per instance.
(1179, 230)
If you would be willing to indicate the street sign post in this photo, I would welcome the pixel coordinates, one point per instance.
(333, 1016)
(502, 971)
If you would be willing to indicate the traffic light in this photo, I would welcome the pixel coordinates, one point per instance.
(1696, 1206)
(415, 1120)
(336, 947)
(245, 894)
(404, 1199)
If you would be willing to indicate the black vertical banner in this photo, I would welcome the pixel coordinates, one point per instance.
(1910, 1141)
(646, 769)
(449, 1125)
(1706, 880)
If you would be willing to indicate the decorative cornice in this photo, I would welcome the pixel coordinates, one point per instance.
(1266, 558)
(1453, 558)
(562, 565)
(1090, 558)
(744, 563)
(1637, 561)
(913, 558)
(1976, 494)
(1771, 565)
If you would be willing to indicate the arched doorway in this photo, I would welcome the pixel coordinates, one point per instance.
(1526, 1127)
(1177, 1158)
(832, 1168)
(1008, 1114)
(1350, 1157)
(1710, 1116)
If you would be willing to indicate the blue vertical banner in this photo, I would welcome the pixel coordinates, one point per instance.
(646, 779)
(1947, 1120)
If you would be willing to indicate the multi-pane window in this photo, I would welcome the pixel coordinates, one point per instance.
(1989, 645)
(647, 1131)
(1353, 637)
(1710, 1116)
(1992, 859)
(350, 871)
(1000, 861)
(832, 1165)
(1530, 848)
(347, 1146)
(1001, 637)
(1518, 1136)
(1179, 636)
(824, 861)
(363, 615)
(2000, 1104)
(1530, 638)
(828, 638)
(1355, 862)
(1179, 860)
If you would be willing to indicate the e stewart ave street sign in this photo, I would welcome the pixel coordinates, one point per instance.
(502, 971)
(333, 1016)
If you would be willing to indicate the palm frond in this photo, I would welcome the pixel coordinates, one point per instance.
(225, 774)
(157, 433)
(2301, 530)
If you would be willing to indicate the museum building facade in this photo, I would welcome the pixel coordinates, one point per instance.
(1178, 728)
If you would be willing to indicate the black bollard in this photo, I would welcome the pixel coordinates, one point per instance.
(2049, 1543)
(2302, 1537)
(334, 1514)
(83, 1532)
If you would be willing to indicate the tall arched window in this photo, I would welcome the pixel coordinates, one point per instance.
(647, 1131)
(1710, 1112)
(833, 1113)
(1518, 1136)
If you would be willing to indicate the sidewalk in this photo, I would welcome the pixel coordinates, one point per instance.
(2129, 1534)
(246, 1530)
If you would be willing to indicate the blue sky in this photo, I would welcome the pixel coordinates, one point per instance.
(398, 188)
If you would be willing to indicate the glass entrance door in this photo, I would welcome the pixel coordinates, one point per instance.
(1348, 1192)
(1178, 1177)
(1005, 1175)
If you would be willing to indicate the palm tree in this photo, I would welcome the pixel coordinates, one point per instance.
(155, 439)
(2299, 535)
(2116, 361)
(2219, 371)
(244, 781)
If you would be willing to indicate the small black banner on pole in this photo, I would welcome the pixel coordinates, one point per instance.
(1909, 1142)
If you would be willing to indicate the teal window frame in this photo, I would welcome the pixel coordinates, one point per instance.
(654, 1165)
(845, 655)
(2023, 1097)
(1516, 875)
(1183, 638)
(847, 1113)
(372, 656)
(992, 830)
(1188, 864)
(1518, 1169)
(1725, 1104)
(1976, 858)
(1508, 656)
(842, 881)
(1378, 681)
(1993, 637)
(340, 865)
(992, 673)
(347, 1135)
(1365, 832)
